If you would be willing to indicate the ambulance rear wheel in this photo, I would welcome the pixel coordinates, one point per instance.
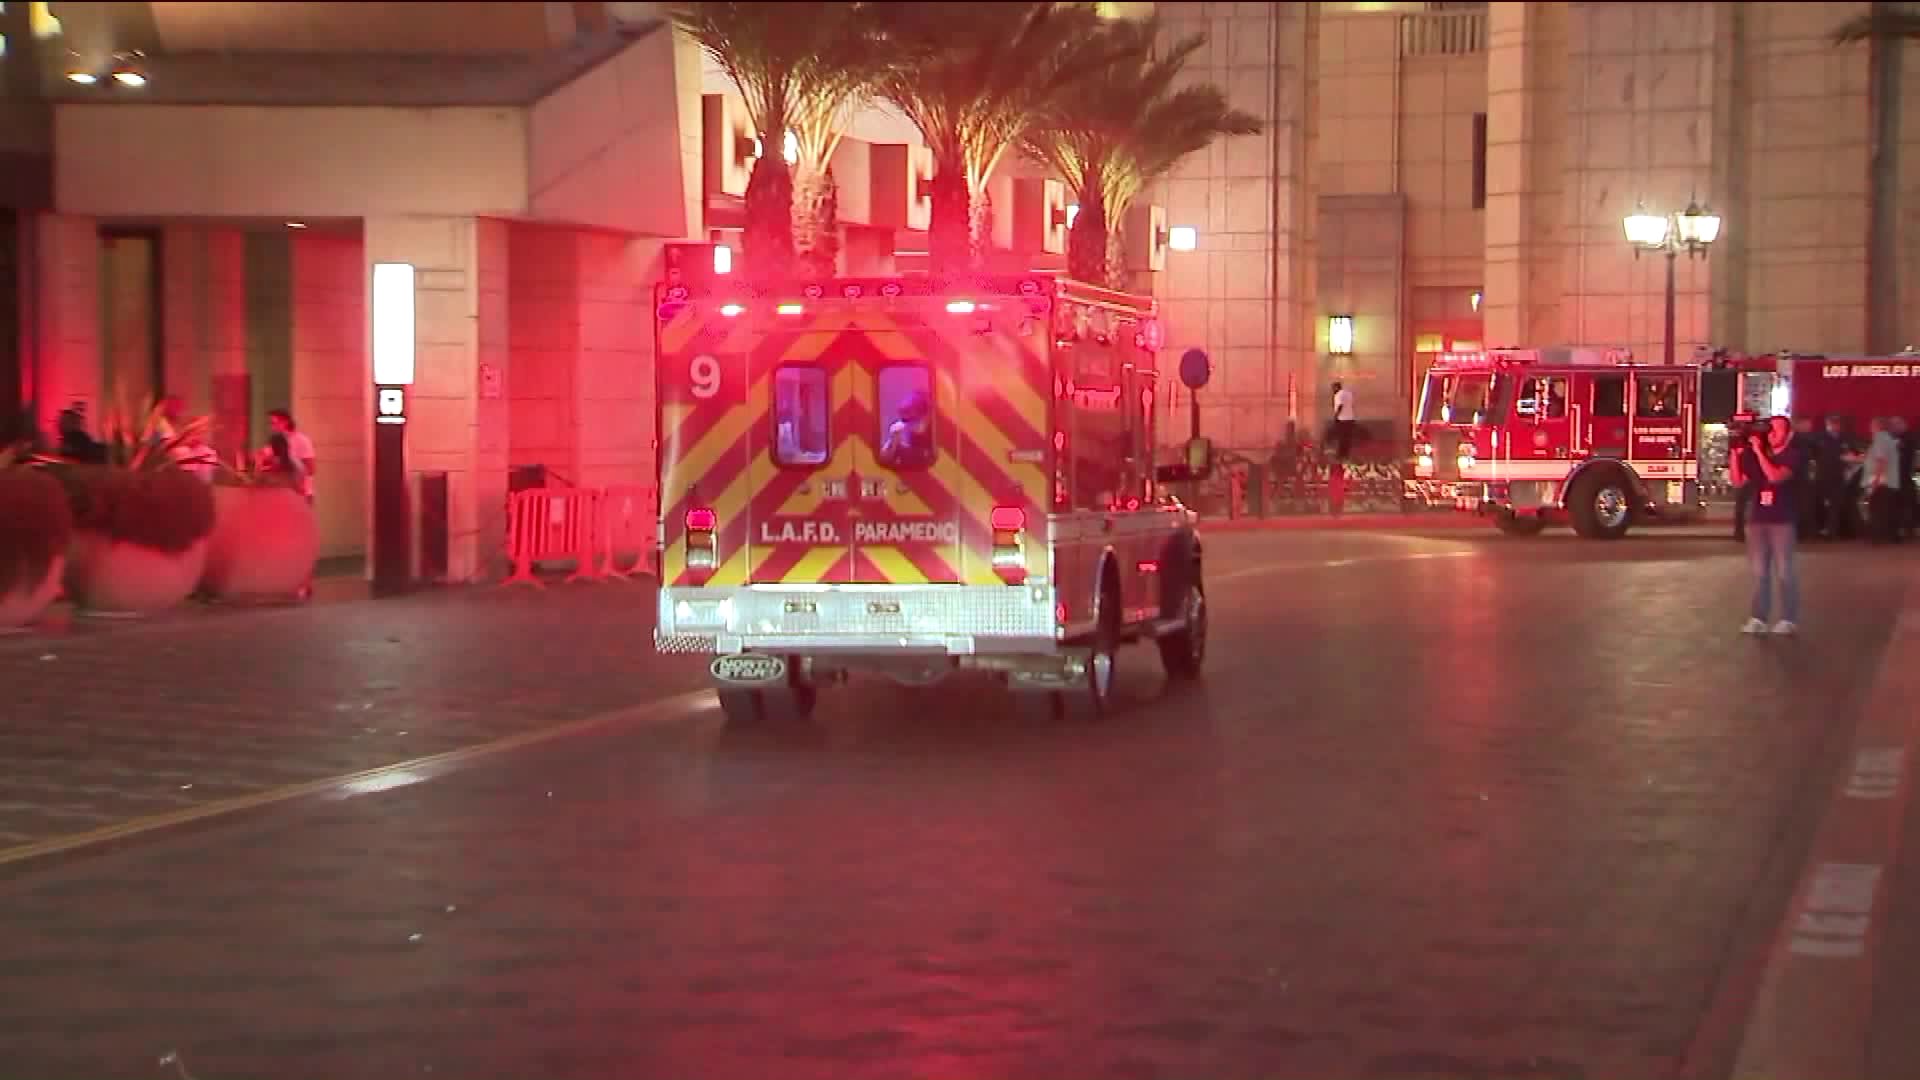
(1601, 505)
(1091, 700)
(1184, 651)
(1514, 524)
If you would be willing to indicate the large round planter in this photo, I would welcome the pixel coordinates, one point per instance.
(110, 577)
(25, 603)
(264, 544)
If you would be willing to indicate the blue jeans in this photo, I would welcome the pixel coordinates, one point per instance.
(1770, 553)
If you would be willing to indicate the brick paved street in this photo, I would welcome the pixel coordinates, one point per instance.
(1444, 807)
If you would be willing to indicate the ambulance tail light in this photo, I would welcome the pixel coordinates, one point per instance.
(703, 542)
(1009, 543)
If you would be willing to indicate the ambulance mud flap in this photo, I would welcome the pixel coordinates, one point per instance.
(749, 670)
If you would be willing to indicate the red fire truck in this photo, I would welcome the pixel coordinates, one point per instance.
(914, 476)
(1533, 436)
(1854, 388)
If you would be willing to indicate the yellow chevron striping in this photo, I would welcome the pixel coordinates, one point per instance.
(895, 568)
(813, 566)
(812, 495)
(678, 332)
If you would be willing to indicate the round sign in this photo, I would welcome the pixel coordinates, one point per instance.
(1195, 368)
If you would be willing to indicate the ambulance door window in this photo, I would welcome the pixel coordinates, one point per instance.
(801, 416)
(904, 394)
(1096, 449)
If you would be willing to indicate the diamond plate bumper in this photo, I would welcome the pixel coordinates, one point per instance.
(950, 620)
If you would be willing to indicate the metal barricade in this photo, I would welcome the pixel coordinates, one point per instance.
(629, 517)
(554, 525)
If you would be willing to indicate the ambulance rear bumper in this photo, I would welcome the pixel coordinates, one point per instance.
(858, 620)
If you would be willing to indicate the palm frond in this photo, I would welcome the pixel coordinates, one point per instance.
(1879, 26)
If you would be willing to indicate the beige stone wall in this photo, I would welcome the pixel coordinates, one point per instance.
(1806, 178)
(442, 435)
(331, 373)
(1241, 294)
(68, 250)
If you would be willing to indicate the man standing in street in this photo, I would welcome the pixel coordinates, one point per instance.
(1884, 489)
(1773, 464)
(1907, 512)
(1343, 420)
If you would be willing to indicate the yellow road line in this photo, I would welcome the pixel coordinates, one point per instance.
(368, 780)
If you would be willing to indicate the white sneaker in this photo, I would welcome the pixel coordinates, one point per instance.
(1754, 626)
(1784, 628)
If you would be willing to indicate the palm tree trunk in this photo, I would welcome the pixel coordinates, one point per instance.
(1087, 240)
(950, 230)
(769, 231)
(816, 222)
(979, 227)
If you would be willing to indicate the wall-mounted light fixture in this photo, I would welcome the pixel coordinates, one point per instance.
(123, 69)
(1476, 299)
(1183, 238)
(722, 259)
(1340, 335)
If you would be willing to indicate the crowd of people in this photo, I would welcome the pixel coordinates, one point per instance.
(288, 451)
(1836, 471)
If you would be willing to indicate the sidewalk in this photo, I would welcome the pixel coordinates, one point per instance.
(1835, 996)
(1893, 1047)
(105, 725)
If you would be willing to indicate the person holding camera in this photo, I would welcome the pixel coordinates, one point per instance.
(1772, 464)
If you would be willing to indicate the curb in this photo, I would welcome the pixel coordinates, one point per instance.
(1812, 1015)
(1408, 522)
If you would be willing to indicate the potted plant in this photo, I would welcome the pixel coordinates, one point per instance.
(265, 538)
(36, 525)
(140, 522)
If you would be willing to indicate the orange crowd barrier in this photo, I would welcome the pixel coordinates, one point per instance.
(629, 527)
(553, 525)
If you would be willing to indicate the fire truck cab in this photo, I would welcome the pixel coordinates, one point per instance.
(912, 477)
(1530, 437)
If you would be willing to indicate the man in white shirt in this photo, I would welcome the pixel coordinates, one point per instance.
(299, 447)
(1343, 420)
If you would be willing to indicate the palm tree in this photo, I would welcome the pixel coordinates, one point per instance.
(973, 77)
(1121, 130)
(802, 68)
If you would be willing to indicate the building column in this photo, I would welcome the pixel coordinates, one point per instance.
(67, 367)
(1513, 47)
(445, 424)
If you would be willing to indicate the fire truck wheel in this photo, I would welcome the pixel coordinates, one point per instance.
(1184, 651)
(1601, 505)
(1519, 524)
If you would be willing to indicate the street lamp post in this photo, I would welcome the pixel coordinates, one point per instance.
(1692, 230)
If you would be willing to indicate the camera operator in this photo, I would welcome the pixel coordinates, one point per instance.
(1743, 424)
(1771, 464)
